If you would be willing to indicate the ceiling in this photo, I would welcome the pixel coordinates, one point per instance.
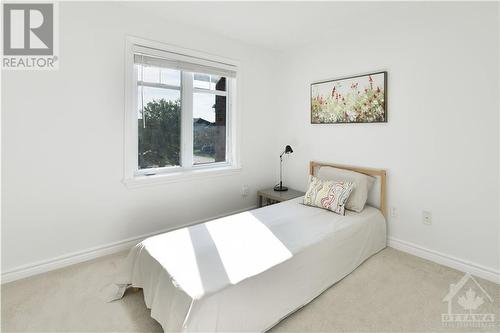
(274, 25)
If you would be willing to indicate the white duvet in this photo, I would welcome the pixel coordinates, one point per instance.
(247, 271)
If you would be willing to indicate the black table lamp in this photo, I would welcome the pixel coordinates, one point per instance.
(280, 187)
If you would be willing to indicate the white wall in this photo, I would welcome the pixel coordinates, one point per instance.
(441, 143)
(63, 141)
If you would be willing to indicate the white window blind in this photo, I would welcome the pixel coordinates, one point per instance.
(157, 58)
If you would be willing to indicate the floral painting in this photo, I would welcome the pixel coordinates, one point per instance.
(359, 99)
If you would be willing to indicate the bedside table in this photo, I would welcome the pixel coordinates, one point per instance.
(273, 196)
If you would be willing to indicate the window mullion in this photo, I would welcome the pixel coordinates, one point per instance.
(187, 120)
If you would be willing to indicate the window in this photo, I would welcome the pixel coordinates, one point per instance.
(158, 115)
(209, 118)
(179, 115)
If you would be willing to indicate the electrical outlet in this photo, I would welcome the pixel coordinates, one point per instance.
(394, 212)
(426, 217)
(244, 190)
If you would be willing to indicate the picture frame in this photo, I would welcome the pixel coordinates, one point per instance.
(354, 99)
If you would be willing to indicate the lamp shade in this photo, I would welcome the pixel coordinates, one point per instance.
(288, 149)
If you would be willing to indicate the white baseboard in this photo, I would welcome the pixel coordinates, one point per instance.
(462, 265)
(43, 266)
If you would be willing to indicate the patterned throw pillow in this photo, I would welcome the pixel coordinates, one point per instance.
(328, 194)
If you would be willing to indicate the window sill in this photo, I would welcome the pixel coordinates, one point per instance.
(180, 176)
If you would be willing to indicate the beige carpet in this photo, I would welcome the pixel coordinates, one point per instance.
(390, 292)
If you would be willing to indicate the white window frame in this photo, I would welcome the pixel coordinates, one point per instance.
(133, 177)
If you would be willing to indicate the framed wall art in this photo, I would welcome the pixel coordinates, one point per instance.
(356, 99)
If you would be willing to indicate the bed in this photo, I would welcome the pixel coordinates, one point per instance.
(248, 271)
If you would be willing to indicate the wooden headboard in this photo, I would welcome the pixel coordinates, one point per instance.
(313, 166)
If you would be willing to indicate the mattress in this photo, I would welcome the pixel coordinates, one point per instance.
(247, 271)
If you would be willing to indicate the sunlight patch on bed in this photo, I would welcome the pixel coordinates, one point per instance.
(246, 246)
(175, 252)
(207, 257)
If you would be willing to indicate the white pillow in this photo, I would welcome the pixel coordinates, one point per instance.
(362, 185)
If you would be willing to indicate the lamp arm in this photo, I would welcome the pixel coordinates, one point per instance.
(281, 170)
